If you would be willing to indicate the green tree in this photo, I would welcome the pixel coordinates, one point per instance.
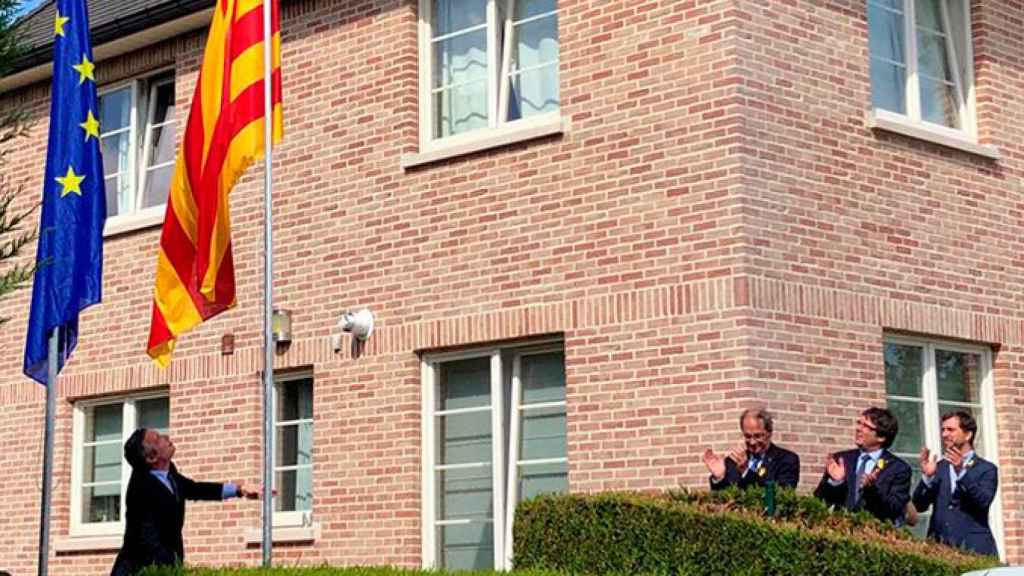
(13, 125)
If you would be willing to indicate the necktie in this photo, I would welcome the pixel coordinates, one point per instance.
(860, 474)
(755, 463)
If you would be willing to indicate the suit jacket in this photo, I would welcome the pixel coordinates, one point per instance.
(960, 517)
(886, 499)
(154, 517)
(780, 465)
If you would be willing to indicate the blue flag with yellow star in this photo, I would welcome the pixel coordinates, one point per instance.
(70, 253)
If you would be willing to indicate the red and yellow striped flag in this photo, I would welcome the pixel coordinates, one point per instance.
(195, 277)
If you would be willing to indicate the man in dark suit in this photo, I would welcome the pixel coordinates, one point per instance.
(869, 477)
(961, 487)
(155, 503)
(758, 461)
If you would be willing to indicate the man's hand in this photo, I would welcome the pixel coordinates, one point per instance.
(955, 457)
(929, 465)
(715, 464)
(868, 480)
(251, 494)
(739, 456)
(835, 468)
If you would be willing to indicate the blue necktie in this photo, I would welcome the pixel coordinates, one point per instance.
(860, 476)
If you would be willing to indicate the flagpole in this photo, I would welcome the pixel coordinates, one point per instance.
(268, 287)
(51, 403)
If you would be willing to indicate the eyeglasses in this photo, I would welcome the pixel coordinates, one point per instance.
(757, 436)
(866, 424)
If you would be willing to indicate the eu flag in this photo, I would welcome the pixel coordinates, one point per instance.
(70, 253)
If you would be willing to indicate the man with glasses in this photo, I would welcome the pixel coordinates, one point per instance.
(869, 477)
(757, 461)
(961, 486)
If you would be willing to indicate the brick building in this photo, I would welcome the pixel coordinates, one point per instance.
(590, 235)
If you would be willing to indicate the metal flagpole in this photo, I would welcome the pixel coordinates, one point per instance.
(51, 403)
(268, 287)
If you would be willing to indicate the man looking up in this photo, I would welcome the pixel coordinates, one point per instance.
(155, 503)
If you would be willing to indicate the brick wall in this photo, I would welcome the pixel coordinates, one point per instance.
(715, 229)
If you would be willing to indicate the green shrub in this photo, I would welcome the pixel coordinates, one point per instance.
(319, 571)
(694, 534)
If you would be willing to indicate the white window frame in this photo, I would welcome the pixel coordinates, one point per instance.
(911, 123)
(129, 417)
(503, 485)
(930, 397)
(499, 131)
(139, 149)
(294, 517)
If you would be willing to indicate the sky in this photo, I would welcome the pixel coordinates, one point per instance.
(25, 6)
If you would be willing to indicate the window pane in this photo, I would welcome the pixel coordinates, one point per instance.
(888, 86)
(465, 384)
(158, 185)
(466, 493)
(295, 490)
(886, 34)
(460, 110)
(543, 377)
(295, 444)
(932, 57)
(920, 531)
(466, 438)
(535, 43)
(537, 479)
(116, 157)
(103, 423)
(928, 14)
(116, 188)
(467, 546)
(938, 103)
(164, 111)
(454, 15)
(529, 8)
(903, 370)
(910, 416)
(115, 110)
(959, 376)
(102, 463)
(543, 434)
(296, 400)
(161, 145)
(460, 59)
(101, 504)
(154, 413)
(975, 411)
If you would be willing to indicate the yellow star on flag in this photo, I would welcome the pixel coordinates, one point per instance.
(85, 70)
(91, 126)
(58, 24)
(71, 182)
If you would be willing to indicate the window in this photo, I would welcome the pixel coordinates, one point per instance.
(137, 135)
(921, 63)
(486, 64)
(481, 458)
(99, 474)
(293, 442)
(925, 379)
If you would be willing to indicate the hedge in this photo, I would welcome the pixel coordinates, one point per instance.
(724, 533)
(321, 571)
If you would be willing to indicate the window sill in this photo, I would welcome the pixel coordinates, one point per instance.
(882, 120)
(284, 534)
(87, 543)
(148, 218)
(485, 139)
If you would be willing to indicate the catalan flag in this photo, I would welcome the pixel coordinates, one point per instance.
(224, 134)
(70, 253)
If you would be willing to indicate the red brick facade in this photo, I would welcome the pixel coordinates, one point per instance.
(716, 228)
